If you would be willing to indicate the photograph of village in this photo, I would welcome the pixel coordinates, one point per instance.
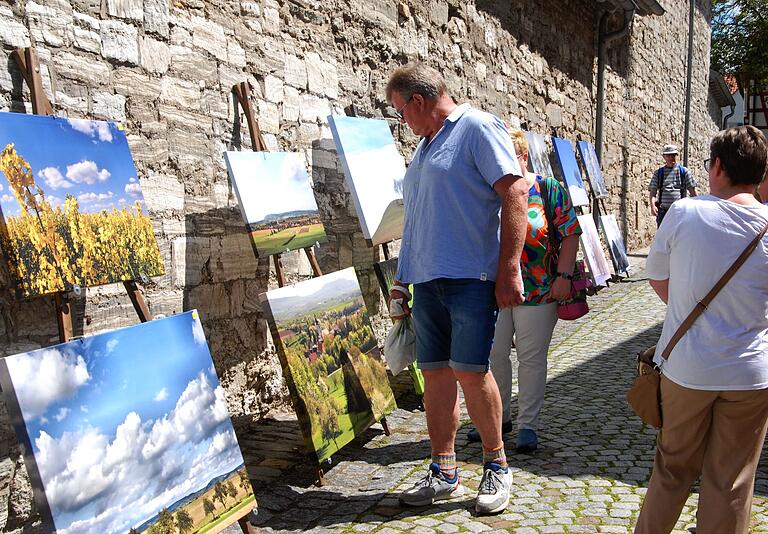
(129, 432)
(329, 351)
(72, 209)
(276, 199)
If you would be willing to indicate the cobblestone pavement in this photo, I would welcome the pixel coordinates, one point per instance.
(589, 474)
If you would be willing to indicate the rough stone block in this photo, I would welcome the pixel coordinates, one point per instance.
(162, 192)
(81, 68)
(210, 37)
(12, 33)
(78, 104)
(271, 20)
(274, 89)
(193, 64)
(51, 23)
(119, 41)
(156, 17)
(269, 117)
(295, 73)
(126, 9)
(291, 104)
(86, 33)
(180, 93)
(148, 152)
(108, 106)
(322, 77)
(313, 109)
(134, 84)
(155, 56)
(438, 12)
(236, 54)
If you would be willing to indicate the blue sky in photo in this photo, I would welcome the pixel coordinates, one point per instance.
(568, 164)
(138, 412)
(89, 160)
(358, 134)
(270, 183)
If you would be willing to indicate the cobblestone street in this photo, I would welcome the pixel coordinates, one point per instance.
(589, 474)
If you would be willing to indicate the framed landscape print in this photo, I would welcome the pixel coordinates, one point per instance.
(592, 167)
(128, 431)
(571, 172)
(593, 251)
(615, 244)
(72, 209)
(538, 156)
(332, 363)
(374, 170)
(276, 200)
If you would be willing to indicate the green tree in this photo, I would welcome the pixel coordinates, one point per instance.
(231, 490)
(208, 507)
(219, 493)
(165, 523)
(245, 482)
(739, 34)
(183, 521)
(133, 531)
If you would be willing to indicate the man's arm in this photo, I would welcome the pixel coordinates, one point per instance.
(691, 191)
(513, 191)
(661, 287)
(652, 201)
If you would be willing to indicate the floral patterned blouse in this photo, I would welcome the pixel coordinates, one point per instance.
(535, 257)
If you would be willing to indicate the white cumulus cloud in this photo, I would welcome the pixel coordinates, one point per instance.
(45, 378)
(53, 178)
(95, 129)
(86, 172)
(161, 395)
(89, 197)
(61, 414)
(133, 189)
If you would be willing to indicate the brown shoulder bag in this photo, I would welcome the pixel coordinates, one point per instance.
(645, 394)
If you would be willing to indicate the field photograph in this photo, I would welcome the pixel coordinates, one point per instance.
(592, 168)
(276, 199)
(374, 171)
(537, 155)
(72, 209)
(331, 359)
(571, 172)
(615, 243)
(128, 431)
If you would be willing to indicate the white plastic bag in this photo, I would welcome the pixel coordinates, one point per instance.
(400, 346)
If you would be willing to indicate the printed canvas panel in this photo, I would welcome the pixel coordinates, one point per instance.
(329, 354)
(615, 243)
(276, 200)
(593, 251)
(592, 167)
(374, 170)
(72, 209)
(128, 431)
(538, 156)
(571, 172)
(385, 274)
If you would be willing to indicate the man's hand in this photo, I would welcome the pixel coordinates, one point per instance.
(398, 303)
(560, 290)
(509, 288)
(654, 209)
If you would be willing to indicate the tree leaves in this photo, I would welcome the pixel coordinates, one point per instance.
(739, 34)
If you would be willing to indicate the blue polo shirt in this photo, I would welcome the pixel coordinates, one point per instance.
(451, 209)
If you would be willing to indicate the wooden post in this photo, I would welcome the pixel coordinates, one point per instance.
(279, 270)
(26, 59)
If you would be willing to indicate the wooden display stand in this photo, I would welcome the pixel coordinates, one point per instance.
(242, 91)
(26, 59)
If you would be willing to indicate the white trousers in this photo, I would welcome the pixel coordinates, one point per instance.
(531, 329)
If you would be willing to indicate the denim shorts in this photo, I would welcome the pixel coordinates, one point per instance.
(454, 320)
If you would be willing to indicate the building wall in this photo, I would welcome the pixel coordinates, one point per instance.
(166, 70)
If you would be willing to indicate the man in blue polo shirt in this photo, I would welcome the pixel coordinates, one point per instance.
(463, 258)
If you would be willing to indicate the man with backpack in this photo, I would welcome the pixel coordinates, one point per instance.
(669, 183)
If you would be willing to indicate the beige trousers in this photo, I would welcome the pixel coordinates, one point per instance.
(713, 435)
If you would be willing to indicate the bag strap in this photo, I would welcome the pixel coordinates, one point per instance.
(703, 303)
(683, 180)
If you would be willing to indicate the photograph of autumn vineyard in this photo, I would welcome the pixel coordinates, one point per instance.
(328, 350)
(276, 200)
(128, 431)
(72, 208)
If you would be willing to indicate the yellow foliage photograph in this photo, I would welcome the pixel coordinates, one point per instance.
(72, 209)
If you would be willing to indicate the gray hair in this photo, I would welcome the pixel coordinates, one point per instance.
(416, 78)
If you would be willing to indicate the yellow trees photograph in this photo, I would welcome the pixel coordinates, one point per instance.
(72, 209)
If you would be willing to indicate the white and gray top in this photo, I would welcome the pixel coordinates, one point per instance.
(671, 183)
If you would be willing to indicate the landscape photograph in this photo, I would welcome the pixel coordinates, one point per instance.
(599, 269)
(571, 172)
(331, 358)
(538, 157)
(592, 167)
(128, 431)
(615, 243)
(72, 209)
(276, 199)
(374, 170)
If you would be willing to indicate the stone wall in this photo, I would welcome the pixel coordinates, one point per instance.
(166, 70)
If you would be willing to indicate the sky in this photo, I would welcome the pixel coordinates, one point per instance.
(124, 423)
(373, 167)
(346, 279)
(537, 152)
(571, 172)
(270, 183)
(89, 160)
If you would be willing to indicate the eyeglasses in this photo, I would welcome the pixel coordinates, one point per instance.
(399, 112)
(707, 164)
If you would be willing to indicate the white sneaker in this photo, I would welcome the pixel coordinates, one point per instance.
(493, 495)
(433, 487)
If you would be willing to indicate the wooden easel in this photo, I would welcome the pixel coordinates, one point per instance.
(242, 91)
(26, 59)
